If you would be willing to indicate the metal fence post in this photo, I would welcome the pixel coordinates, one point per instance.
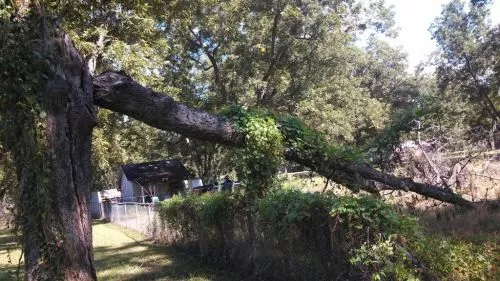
(126, 217)
(136, 218)
(117, 213)
(149, 215)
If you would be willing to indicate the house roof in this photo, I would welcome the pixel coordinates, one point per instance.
(156, 171)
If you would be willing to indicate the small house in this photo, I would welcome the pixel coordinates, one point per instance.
(161, 179)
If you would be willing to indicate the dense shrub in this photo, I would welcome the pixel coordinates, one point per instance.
(293, 235)
(452, 259)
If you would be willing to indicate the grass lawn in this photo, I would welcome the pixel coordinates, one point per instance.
(121, 254)
(9, 255)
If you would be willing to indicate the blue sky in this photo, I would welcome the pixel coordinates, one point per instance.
(414, 17)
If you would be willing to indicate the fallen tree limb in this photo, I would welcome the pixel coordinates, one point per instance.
(362, 176)
(120, 93)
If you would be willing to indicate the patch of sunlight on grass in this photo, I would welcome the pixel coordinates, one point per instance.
(125, 255)
(121, 254)
(9, 255)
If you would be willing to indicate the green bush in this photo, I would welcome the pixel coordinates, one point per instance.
(285, 207)
(297, 227)
(181, 216)
(369, 212)
(383, 260)
(452, 259)
(188, 217)
(293, 235)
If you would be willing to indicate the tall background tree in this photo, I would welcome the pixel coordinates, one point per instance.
(467, 66)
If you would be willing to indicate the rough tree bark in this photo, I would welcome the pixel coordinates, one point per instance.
(57, 230)
(120, 93)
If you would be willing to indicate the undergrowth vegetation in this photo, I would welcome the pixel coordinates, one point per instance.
(288, 234)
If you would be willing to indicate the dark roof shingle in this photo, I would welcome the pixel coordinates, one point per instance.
(156, 171)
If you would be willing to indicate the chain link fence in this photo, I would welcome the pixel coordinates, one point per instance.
(6, 213)
(141, 217)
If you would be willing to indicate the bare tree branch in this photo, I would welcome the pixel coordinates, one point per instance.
(213, 61)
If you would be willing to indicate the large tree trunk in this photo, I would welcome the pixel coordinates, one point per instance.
(54, 166)
(120, 93)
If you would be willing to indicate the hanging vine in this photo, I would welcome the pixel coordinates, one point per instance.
(23, 127)
(262, 154)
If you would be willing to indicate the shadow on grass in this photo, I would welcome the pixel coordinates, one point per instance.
(7, 241)
(100, 221)
(9, 273)
(143, 260)
(123, 255)
(154, 262)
